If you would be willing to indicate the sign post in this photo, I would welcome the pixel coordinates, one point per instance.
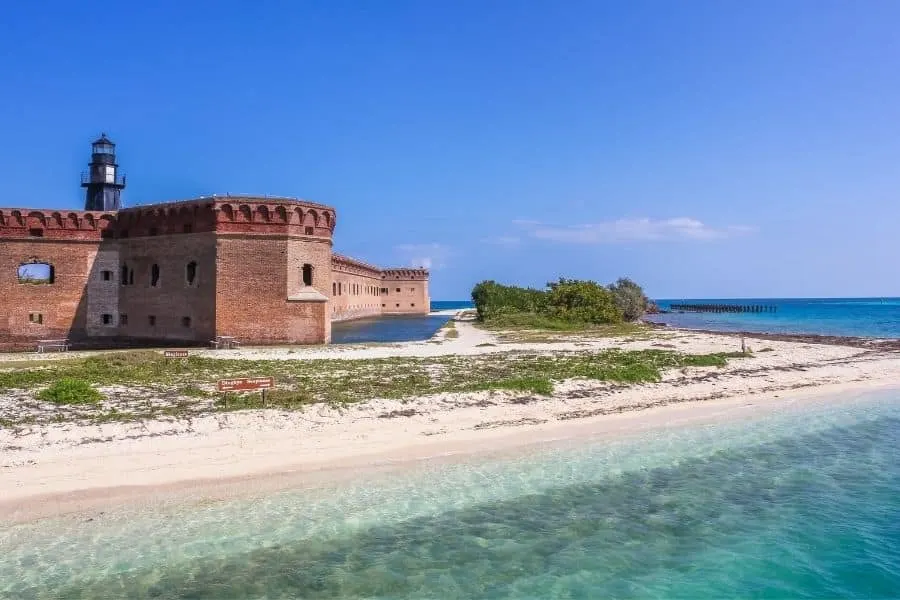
(245, 384)
(176, 353)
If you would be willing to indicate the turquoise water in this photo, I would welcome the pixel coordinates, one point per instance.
(864, 317)
(800, 504)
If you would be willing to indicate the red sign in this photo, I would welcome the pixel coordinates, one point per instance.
(245, 384)
(175, 353)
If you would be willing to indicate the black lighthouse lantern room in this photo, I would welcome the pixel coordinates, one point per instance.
(103, 184)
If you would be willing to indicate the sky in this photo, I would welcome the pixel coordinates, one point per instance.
(706, 149)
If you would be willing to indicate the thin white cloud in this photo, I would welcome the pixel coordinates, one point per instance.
(429, 256)
(631, 230)
(508, 241)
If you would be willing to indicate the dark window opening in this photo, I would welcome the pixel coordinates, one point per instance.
(398, 306)
(124, 278)
(190, 273)
(185, 321)
(152, 320)
(308, 231)
(398, 290)
(106, 234)
(37, 273)
(154, 276)
(36, 232)
(107, 319)
(123, 319)
(153, 231)
(413, 305)
(307, 274)
(130, 276)
(188, 228)
(333, 289)
(383, 305)
(36, 318)
(106, 275)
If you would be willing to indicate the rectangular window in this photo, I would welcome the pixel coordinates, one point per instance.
(188, 228)
(398, 306)
(123, 319)
(107, 319)
(185, 321)
(308, 231)
(36, 232)
(152, 320)
(398, 290)
(36, 318)
(106, 275)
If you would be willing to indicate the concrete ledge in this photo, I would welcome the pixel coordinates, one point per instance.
(308, 294)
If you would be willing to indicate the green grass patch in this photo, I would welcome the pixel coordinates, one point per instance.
(70, 391)
(535, 385)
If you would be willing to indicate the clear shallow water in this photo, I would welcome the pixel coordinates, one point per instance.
(797, 504)
(863, 317)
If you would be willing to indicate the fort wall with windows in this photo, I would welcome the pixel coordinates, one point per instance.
(260, 269)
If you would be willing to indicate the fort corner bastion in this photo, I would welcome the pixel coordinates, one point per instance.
(260, 269)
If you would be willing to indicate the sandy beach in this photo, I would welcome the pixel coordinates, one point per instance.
(52, 469)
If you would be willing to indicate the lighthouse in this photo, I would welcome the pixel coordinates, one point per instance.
(103, 184)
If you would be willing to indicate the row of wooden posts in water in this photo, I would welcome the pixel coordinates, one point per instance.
(724, 308)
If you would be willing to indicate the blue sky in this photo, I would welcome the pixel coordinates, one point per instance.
(705, 149)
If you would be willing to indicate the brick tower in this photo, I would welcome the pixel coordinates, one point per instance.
(103, 185)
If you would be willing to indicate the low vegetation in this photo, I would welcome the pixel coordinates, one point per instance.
(70, 391)
(143, 384)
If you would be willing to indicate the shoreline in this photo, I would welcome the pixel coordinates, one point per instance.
(245, 479)
(854, 341)
(72, 469)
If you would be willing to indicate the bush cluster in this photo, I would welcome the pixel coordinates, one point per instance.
(570, 301)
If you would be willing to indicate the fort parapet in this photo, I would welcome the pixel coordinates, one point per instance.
(260, 269)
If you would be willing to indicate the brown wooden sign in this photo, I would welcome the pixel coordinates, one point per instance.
(245, 384)
(175, 353)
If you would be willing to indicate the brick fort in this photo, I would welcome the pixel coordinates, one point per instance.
(260, 269)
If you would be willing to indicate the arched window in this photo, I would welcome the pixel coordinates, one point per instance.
(190, 273)
(333, 289)
(307, 274)
(154, 276)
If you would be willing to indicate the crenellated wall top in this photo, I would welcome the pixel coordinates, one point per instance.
(220, 214)
(55, 224)
(403, 274)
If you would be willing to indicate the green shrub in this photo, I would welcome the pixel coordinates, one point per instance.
(578, 301)
(70, 391)
(630, 299)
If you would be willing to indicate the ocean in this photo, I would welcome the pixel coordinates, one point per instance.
(799, 503)
(862, 317)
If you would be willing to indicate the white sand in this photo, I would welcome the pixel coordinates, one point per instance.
(60, 468)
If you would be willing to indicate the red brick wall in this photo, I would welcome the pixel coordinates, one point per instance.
(180, 310)
(407, 291)
(252, 292)
(60, 304)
